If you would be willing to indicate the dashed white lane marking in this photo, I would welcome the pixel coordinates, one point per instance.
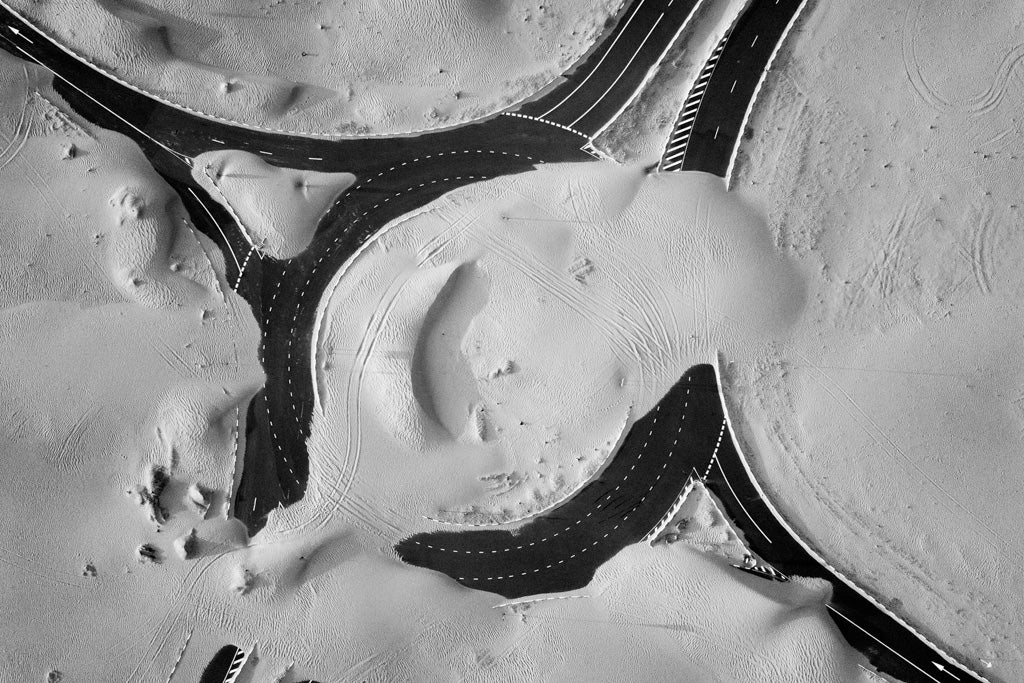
(675, 148)
(181, 653)
(607, 497)
(234, 463)
(714, 454)
(231, 210)
(734, 495)
(289, 364)
(241, 269)
(667, 517)
(178, 155)
(550, 123)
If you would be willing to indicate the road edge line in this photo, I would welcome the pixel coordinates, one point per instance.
(781, 520)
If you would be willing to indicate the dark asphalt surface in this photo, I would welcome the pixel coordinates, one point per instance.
(685, 435)
(395, 175)
(562, 549)
(604, 82)
(719, 120)
(889, 646)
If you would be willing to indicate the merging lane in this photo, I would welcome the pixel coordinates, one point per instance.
(710, 125)
(561, 550)
(683, 438)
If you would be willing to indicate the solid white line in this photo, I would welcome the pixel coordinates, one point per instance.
(722, 470)
(227, 242)
(811, 551)
(651, 72)
(731, 169)
(16, 31)
(621, 73)
(599, 62)
(181, 157)
(883, 644)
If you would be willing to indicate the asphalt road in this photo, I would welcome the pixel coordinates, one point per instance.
(711, 121)
(561, 550)
(891, 647)
(594, 92)
(683, 437)
(395, 175)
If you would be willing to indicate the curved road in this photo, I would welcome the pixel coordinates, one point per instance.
(710, 124)
(395, 175)
(562, 549)
(682, 438)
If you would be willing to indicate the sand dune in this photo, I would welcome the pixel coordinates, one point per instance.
(90, 371)
(442, 379)
(277, 208)
(888, 425)
(481, 359)
(415, 337)
(155, 256)
(317, 68)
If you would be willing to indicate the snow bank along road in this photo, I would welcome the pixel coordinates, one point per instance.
(680, 439)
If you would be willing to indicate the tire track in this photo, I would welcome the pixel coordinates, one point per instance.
(975, 105)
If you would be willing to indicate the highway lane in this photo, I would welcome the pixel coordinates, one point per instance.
(891, 645)
(561, 549)
(711, 121)
(685, 437)
(396, 175)
(595, 90)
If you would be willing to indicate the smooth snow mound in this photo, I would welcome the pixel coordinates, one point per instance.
(277, 208)
(331, 67)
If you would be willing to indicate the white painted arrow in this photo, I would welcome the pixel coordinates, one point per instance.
(942, 668)
(16, 31)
